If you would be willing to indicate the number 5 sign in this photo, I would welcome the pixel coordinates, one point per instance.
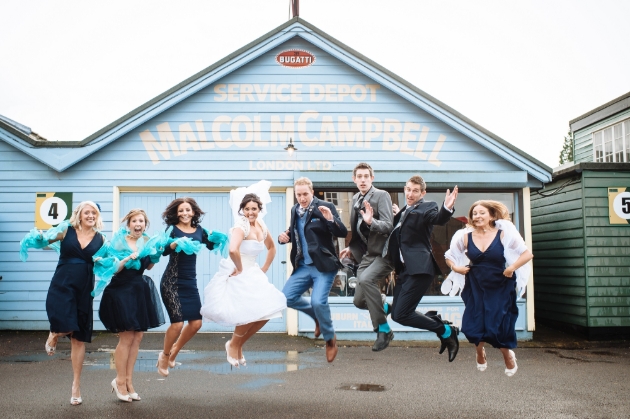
(51, 208)
(619, 205)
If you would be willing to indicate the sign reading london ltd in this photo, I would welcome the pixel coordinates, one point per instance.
(295, 58)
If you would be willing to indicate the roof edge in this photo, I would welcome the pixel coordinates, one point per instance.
(604, 106)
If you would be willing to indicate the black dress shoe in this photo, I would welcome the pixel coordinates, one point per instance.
(382, 341)
(452, 343)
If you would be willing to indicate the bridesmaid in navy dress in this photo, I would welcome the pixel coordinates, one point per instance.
(490, 291)
(179, 281)
(69, 303)
(130, 304)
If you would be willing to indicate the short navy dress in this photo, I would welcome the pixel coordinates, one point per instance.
(131, 302)
(179, 281)
(490, 298)
(69, 303)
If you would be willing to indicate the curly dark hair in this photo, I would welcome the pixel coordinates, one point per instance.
(170, 213)
(250, 197)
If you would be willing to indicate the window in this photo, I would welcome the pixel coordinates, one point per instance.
(612, 144)
(344, 282)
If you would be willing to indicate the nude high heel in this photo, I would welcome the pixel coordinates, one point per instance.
(511, 372)
(161, 367)
(482, 367)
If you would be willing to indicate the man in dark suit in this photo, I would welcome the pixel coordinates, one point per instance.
(409, 249)
(314, 223)
(371, 221)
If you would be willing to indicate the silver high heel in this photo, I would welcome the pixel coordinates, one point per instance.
(511, 372)
(482, 367)
(123, 397)
(232, 361)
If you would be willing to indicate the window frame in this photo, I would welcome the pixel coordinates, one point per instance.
(599, 144)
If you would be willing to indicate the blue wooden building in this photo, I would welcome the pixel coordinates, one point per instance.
(229, 125)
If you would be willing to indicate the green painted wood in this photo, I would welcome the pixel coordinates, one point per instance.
(608, 241)
(560, 216)
(563, 299)
(541, 278)
(560, 208)
(609, 322)
(617, 302)
(611, 231)
(554, 244)
(609, 271)
(560, 308)
(566, 272)
(559, 235)
(562, 225)
(558, 198)
(560, 317)
(610, 311)
(558, 253)
(608, 281)
(557, 290)
(608, 251)
(610, 261)
(559, 262)
(608, 291)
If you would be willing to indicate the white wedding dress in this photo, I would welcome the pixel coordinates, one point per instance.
(247, 297)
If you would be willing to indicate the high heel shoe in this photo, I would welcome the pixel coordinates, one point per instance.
(171, 364)
(162, 359)
(134, 396)
(482, 367)
(123, 397)
(511, 372)
(232, 361)
(50, 350)
(75, 401)
(242, 361)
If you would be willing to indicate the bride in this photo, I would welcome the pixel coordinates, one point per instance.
(240, 294)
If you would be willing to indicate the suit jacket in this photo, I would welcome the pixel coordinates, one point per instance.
(381, 223)
(413, 238)
(319, 233)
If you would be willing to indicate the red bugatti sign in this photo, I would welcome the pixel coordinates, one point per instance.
(295, 58)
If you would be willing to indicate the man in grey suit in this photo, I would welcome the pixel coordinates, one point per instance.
(371, 220)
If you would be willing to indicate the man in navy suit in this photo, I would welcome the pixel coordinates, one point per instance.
(314, 223)
(409, 249)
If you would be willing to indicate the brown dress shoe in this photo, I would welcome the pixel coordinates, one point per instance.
(331, 349)
(317, 331)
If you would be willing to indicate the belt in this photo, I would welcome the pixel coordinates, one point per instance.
(74, 261)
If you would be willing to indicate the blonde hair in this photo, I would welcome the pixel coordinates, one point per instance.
(136, 211)
(497, 210)
(75, 219)
(304, 181)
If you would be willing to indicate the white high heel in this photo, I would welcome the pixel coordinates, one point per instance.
(162, 371)
(50, 350)
(123, 397)
(135, 396)
(511, 372)
(482, 367)
(232, 361)
(243, 361)
(75, 401)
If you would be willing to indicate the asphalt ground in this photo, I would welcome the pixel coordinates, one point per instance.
(559, 376)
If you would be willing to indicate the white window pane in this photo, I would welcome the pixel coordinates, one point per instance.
(597, 147)
(608, 145)
(626, 127)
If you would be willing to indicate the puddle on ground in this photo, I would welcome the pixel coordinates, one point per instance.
(258, 362)
(362, 387)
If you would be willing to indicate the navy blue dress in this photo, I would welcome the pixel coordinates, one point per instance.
(179, 281)
(69, 303)
(490, 298)
(131, 302)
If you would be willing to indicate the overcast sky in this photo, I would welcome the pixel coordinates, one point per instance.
(520, 69)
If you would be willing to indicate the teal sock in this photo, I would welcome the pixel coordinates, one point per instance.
(447, 331)
(384, 328)
(386, 308)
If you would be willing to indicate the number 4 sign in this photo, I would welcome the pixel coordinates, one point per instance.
(51, 208)
(619, 205)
